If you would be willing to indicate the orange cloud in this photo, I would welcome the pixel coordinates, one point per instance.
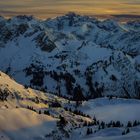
(49, 8)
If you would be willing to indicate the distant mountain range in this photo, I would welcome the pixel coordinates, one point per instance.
(72, 55)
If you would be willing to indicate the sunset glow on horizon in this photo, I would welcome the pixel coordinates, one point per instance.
(51, 8)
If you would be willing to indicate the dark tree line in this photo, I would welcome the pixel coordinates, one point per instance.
(77, 112)
(4, 94)
(94, 92)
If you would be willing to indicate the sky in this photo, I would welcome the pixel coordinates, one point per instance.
(52, 8)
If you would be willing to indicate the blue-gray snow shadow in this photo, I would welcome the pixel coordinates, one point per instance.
(36, 132)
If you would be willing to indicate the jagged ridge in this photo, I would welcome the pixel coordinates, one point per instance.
(72, 55)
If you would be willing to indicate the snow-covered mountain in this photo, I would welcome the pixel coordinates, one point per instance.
(72, 55)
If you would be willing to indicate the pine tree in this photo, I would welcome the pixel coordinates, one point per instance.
(129, 124)
(135, 123)
(123, 133)
(89, 131)
(39, 111)
(127, 131)
(46, 112)
(62, 121)
(118, 124)
(102, 125)
(85, 123)
(78, 94)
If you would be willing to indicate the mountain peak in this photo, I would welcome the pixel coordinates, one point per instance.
(70, 49)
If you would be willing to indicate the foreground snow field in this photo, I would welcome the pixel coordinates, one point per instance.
(22, 116)
(24, 124)
(113, 134)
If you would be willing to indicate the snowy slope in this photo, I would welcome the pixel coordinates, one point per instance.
(24, 124)
(16, 120)
(22, 115)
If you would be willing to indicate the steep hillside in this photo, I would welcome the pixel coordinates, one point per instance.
(29, 114)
